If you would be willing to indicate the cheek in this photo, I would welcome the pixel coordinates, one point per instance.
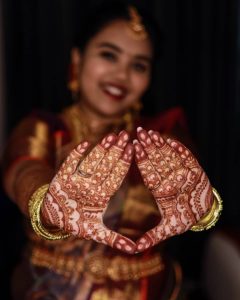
(141, 83)
(92, 71)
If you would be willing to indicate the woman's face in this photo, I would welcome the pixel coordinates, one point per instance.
(114, 70)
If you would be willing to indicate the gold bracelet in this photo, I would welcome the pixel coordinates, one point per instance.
(209, 220)
(34, 205)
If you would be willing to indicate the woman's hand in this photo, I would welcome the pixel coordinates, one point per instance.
(180, 186)
(79, 194)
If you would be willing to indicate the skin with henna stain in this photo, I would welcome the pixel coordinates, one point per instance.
(178, 183)
(79, 194)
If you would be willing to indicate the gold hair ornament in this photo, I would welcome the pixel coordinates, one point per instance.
(34, 205)
(209, 220)
(137, 29)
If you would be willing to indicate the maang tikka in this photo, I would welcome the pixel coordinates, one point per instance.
(137, 29)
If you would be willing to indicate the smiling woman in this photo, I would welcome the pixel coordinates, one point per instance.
(114, 68)
(90, 215)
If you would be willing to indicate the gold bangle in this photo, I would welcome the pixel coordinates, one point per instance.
(34, 205)
(209, 220)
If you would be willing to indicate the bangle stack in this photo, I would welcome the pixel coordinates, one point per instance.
(34, 205)
(209, 220)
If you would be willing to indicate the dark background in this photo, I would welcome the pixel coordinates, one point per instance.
(199, 71)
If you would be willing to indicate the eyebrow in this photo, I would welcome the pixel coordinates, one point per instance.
(119, 50)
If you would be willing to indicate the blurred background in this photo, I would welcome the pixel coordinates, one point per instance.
(199, 71)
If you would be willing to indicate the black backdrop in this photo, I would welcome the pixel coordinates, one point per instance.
(199, 71)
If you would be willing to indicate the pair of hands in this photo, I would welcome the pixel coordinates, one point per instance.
(79, 194)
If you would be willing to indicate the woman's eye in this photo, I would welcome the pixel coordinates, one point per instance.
(140, 67)
(108, 55)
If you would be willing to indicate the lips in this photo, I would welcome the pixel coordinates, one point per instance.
(114, 91)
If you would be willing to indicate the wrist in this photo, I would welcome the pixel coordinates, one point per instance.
(46, 222)
(45, 217)
(35, 204)
(26, 177)
(210, 219)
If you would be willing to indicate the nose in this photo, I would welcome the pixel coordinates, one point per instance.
(122, 72)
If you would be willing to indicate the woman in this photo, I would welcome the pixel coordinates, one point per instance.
(66, 185)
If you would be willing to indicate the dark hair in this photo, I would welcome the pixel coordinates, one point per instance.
(95, 17)
(105, 12)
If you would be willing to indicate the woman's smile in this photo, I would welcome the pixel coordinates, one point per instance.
(115, 92)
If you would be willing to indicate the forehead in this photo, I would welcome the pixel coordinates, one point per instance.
(117, 33)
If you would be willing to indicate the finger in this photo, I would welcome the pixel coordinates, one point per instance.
(177, 217)
(97, 231)
(123, 244)
(141, 155)
(110, 158)
(179, 177)
(114, 179)
(152, 149)
(159, 161)
(89, 163)
(70, 164)
(151, 238)
(144, 138)
(150, 176)
(188, 159)
(114, 240)
(166, 158)
(144, 243)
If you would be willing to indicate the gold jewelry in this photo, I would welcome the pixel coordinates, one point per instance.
(82, 172)
(78, 124)
(135, 24)
(73, 83)
(98, 267)
(73, 86)
(209, 220)
(131, 115)
(34, 205)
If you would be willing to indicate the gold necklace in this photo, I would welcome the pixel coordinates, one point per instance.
(80, 128)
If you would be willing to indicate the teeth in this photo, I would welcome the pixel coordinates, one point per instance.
(114, 90)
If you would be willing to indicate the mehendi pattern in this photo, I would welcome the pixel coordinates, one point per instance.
(79, 194)
(177, 181)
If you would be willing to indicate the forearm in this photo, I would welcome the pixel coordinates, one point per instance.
(28, 160)
(25, 179)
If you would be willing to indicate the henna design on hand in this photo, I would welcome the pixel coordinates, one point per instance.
(79, 193)
(178, 183)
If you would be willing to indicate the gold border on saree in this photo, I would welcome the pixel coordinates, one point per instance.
(97, 266)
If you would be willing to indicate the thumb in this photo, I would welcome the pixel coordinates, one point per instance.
(151, 238)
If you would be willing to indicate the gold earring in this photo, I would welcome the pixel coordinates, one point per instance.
(73, 83)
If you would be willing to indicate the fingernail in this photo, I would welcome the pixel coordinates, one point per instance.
(110, 138)
(121, 132)
(140, 247)
(139, 129)
(135, 142)
(128, 248)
